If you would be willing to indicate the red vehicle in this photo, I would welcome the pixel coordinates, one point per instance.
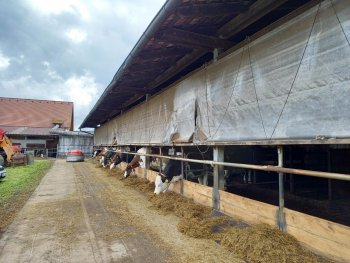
(75, 156)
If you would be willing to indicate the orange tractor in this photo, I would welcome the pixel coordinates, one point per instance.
(11, 153)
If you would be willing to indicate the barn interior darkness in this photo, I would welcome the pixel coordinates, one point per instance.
(324, 198)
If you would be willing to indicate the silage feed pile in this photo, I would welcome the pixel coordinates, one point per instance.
(259, 243)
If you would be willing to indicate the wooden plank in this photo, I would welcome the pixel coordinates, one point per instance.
(201, 189)
(149, 66)
(193, 40)
(203, 200)
(245, 215)
(319, 227)
(328, 248)
(162, 52)
(244, 207)
(212, 9)
(254, 13)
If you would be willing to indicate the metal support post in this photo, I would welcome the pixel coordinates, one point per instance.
(147, 161)
(218, 176)
(329, 167)
(281, 221)
(291, 176)
(182, 163)
(254, 171)
(215, 54)
(182, 171)
(161, 160)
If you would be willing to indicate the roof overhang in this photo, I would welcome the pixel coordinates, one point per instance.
(180, 39)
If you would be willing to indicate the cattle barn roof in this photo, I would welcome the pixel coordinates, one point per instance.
(31, 113)
(180, 39)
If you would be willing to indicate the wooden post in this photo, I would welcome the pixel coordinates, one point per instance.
(219, 180)
(281, 221)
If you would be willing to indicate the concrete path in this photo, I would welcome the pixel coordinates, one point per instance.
(71, 217)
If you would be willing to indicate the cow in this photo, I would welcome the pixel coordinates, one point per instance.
(135, 162)
(171, 173)
(117, 158)
(107, 157)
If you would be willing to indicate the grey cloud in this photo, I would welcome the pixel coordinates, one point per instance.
(110, 35)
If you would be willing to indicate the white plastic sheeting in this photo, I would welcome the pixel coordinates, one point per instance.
(293, 82)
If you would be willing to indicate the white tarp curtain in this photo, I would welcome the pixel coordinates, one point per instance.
(293, 82)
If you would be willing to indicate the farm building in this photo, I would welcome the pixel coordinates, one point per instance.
(246, 87)
(69, 140)
(37, 125)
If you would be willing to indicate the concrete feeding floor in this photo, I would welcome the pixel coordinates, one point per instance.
(78, 214)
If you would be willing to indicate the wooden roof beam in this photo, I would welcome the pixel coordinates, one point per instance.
(134, 98)
(125, 90)
(176, 67)
(150, 66)
(162, 52)
(192, 40)
(212, 9)
(254, 13)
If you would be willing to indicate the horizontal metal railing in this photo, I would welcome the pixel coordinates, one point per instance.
(267, 168)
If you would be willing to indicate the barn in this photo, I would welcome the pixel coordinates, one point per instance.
(255, 95)
(42, 126)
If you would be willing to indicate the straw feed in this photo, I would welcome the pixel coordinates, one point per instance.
(141, 184)
(259, 243)
(181, 206)
(262, 243)
(200, 228)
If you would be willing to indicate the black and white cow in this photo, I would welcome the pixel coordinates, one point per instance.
(171, 173)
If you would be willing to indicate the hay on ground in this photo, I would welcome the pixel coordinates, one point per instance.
(201, 228)
(262, 243)
(142, 184)
(259, 243)
(181, 206)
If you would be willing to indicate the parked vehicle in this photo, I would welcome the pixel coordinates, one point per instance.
(2, 172)
(10, 153)
(75, 156)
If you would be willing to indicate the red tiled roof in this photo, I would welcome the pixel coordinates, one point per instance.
(35, 113)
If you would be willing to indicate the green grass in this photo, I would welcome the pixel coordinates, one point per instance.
(17, 187)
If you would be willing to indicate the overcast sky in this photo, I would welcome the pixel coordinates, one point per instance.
(67, 49)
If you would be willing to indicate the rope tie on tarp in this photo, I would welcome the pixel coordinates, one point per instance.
(256, 94)
(206, 96)
(297, 72)
(231, 95)
(340, 24)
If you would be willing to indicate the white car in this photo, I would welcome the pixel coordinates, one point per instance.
(2, 172)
